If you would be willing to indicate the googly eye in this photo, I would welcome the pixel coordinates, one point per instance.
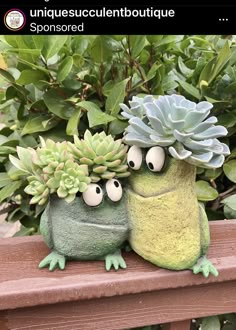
(155, 159)
(114, 190)
(93, 196)
(134, 158)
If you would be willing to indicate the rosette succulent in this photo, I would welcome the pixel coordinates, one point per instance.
(68, 179)
(38, 188)
(51, 168)
(106, 158)
(50, 155)
(181, 125)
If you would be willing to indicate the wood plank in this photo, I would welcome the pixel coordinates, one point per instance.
(23, 284)
(181, 325)
(122, 312)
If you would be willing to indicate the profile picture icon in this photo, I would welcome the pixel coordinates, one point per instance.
(14, 19)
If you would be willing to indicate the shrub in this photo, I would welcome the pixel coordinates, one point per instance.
(59, 86)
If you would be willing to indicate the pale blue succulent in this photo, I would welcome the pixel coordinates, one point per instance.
(136, 107)
(181, 125)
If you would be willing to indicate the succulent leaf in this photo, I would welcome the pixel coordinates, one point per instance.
(181, 125)
(105, 155)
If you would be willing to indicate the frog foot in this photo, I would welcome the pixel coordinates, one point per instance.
(53, 260)
(205, 267)
(116, 260)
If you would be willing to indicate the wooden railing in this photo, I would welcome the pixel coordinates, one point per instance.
(84, 296)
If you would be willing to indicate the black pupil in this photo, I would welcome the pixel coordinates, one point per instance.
(98, 190)
(150, 165)
(131, 164)
(116, 183)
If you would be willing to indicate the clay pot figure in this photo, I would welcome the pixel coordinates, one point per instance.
(170, 136)
(92, 227)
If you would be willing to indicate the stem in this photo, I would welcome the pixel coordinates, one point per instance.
(223, 194)
(213, 183)
(46, 66)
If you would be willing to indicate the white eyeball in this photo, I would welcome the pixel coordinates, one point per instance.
(114, 190)
(155, 159)
(135, 158)
(93, 196)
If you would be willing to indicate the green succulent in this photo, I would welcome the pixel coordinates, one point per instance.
(38, 188)
(51, 168)
(51, 154)
(68, 179)
(106, 158)
(181, 125)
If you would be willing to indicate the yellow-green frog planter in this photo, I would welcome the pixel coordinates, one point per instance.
(169, 136)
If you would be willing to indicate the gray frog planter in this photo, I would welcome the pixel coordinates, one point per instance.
(92, 227)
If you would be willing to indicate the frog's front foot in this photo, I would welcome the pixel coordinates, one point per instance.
(114, 260)
(53, 260)
(205, 267)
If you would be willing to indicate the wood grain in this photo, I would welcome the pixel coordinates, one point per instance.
(23, 284)
(85, 296)
(127, 311)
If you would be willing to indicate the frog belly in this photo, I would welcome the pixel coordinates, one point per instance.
(89, 241)
(165, 229)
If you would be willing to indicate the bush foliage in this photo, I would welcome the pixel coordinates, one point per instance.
(58, 86)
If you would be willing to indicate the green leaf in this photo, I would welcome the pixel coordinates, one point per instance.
(25, 232)
(65, 68)
(95, 115)
(230, 170)
(154, 38)
(32, 65)
(230, 201)
(5, 150)
(183, 68)
(100, 50)
(25, 156)
(205, 192)
(229, 213)
(35, 52)
(152, 72)
(231, 89)
(214, 67)
(115, 97)
(7, 75)
(221, 61)
(227, 119)
(4, 180)
(210, 323)
(9, 189)
(31, 76)
(57, 104)
(166, 40)
(206, 72)
(117, 127)
(53, 44)
(34, 41)
(190, 89)
(78, 60)
(18, 164)
(73, 123)
(137, 43)
(213, 173)
(36, 124)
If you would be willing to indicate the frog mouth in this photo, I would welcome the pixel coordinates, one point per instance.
(158, 194)
(106, 227)
(114, 227)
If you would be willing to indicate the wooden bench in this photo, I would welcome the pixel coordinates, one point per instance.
(84, 296)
